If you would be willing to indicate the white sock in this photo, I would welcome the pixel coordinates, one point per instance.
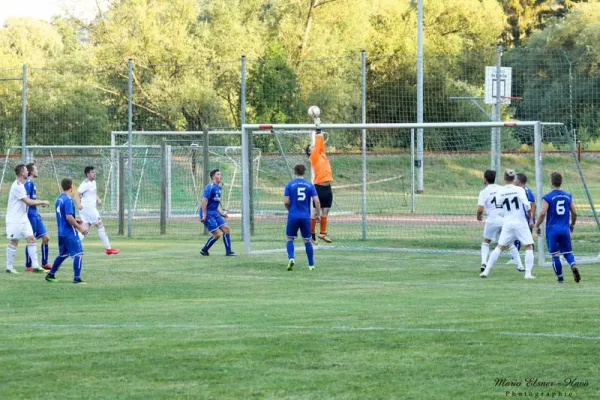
(515, 255)
(103, 237)
(528, 261)
(32, 253)
(10, 255)
(485, 251)
(493, 258)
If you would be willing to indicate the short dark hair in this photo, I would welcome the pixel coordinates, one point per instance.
(489, 176)
(509, 175)
(300, 169)
(307, 150)
(87, 170)
(30, 168)
(66, 184)
(522, 178)
(19, 168)
(213, 172)
(556, 179)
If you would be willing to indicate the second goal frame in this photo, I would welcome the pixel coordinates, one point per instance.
(247, 130)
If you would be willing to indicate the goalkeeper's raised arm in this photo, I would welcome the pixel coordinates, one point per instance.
(322, 181)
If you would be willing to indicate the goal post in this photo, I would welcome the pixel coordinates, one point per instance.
(248, 129)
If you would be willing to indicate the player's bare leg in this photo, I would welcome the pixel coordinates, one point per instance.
(323, 225)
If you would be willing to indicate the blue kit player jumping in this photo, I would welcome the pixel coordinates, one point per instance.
(69, 244)
(297, 196)
(213, 216)
(561, 214)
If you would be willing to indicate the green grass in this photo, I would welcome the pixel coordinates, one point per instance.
(159, 321)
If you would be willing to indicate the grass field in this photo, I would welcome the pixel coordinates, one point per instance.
(159, 321)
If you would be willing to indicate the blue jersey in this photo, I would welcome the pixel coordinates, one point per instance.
(531, 198)
(559, 210)
(64, 206)
(300, 192)
(31, 191)
(213, 193)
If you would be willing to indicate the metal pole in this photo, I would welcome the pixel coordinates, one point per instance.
(205, 167)
(419, 161)
(24, 116)
(539, 178)
(129, 148)
(246, 166)
(364, 142)
(114, 166)
(412, 170)
(498, 106)
(163, 186)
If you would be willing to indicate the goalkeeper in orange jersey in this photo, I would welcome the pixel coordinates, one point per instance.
(322, 181)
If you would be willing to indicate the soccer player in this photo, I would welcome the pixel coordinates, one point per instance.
(521, 181)
(39, 229)
(494, 220)
(213, 216)
(87, 201)
(69, 243)
(513, 200)
(322, 180)
(558, 206)
(17, 223)
(296, 197)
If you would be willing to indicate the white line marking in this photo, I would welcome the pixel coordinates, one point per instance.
(342, 328)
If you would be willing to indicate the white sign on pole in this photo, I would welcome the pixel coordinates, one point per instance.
(491, 84)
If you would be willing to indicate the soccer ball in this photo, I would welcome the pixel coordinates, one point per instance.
(314, 112)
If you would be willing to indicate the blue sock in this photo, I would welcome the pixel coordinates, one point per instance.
(77, 265)
(211, 240)
(44, 254)
(56, 265)
(557, 266)
(518, 245)
(309, 253)
(570, 259)
(227, 243)
(27, 259)
(290, 248)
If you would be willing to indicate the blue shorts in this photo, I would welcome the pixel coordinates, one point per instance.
(558, 241)
(69, 246)
(293, 224)
(39, 229)
(214, 222)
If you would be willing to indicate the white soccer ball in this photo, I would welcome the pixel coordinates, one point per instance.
(314, 112)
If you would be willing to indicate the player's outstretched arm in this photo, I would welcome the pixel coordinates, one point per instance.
(35, 203)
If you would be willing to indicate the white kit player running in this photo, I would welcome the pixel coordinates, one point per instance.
(17, 222)
(513, 200)
(87, 201)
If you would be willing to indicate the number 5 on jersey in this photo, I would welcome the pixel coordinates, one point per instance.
(301, 194)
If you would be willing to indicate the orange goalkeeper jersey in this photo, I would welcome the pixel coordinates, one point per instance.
(319, 162)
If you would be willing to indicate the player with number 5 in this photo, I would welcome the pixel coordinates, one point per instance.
(558, 206)
(296, 197)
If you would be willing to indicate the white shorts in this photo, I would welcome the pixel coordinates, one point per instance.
(17, 230)
(492, 229)
(89, 215)
(516, 230)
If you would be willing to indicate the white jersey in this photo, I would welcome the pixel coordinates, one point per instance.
(487, 199)
(514, 203)
(89, 194)
(16, 211)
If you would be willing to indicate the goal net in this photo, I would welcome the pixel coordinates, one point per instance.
(377, 199)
